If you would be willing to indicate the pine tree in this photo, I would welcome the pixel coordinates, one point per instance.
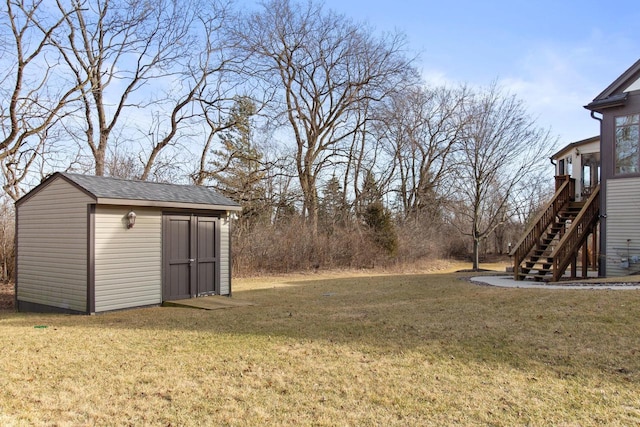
(376, 217)
(237, 166)
(333, 211)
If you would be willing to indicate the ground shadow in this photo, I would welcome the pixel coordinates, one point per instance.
(441, 314)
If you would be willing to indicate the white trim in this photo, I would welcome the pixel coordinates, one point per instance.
(633, 86)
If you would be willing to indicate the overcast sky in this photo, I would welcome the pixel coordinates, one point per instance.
(556, 55)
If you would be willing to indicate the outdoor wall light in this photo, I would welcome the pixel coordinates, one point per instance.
(131, 219)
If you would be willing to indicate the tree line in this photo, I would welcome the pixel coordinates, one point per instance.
(322, 127)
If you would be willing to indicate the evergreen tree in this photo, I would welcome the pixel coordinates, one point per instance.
(377, 217)
(237, 166)
(333, 211)
(370, 192)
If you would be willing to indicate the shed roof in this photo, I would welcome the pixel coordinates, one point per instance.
(109, 190)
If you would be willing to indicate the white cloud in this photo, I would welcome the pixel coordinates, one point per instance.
(435, 77)
(557, 80)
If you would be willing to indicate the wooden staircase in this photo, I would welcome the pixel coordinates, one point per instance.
(553, 241)
(538, 265)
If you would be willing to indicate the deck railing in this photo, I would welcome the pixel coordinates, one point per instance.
(565, 192)
(577, 234)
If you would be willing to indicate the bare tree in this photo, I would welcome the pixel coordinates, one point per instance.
(421, 128)
(139, 66)
(500, 148)
(34, 94)
(326, 67)
(217, 119)
(7, 231)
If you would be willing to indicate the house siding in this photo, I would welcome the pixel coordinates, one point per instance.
(128, 262)
(623, 223)
(52, 247)
(225, 255)
(611, 181)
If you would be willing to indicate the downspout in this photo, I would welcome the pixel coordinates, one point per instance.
(593, 116)
(555, 172)
(602, 264)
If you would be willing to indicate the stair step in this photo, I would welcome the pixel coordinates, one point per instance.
(539, 266)
(542, 253)
(567, 216)
(539, 260)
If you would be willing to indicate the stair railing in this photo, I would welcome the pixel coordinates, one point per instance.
(581, 227)
(563, 195)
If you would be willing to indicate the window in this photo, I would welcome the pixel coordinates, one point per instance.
(627, 144)
(590, 172)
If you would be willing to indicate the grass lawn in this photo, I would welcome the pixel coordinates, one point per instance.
(429, 349)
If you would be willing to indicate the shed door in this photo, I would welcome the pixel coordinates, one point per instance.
(207, 255)
(190, 248)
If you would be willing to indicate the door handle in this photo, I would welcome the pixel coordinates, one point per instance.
(191, 259)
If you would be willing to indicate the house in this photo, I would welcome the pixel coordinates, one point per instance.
(581, 161)
(593, 215)
(618, 110)
(88, 244)
(566, 229)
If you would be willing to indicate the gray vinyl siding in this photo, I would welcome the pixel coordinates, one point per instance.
(225, 254)
(52, 247)
(623, 222)
(128, 262)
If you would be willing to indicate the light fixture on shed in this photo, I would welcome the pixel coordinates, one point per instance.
(131, 219)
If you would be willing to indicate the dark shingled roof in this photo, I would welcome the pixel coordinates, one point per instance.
(116, 188)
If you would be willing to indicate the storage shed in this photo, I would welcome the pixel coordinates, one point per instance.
(88, 244)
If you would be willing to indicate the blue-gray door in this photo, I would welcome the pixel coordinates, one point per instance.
(190, 248)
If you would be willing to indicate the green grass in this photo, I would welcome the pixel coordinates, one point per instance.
(385, 350)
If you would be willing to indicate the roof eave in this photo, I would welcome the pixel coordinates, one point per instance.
(573, 145)
(609, 102)
(162, 204)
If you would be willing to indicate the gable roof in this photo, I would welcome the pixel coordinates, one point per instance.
(614, 95)
(116, 191)
(573, 145)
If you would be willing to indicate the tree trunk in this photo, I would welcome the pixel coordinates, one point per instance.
(311, 208)
(476, 254)
(309, 191)
(99, 158)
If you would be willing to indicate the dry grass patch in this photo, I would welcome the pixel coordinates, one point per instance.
(384, 350)
(6, 296)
